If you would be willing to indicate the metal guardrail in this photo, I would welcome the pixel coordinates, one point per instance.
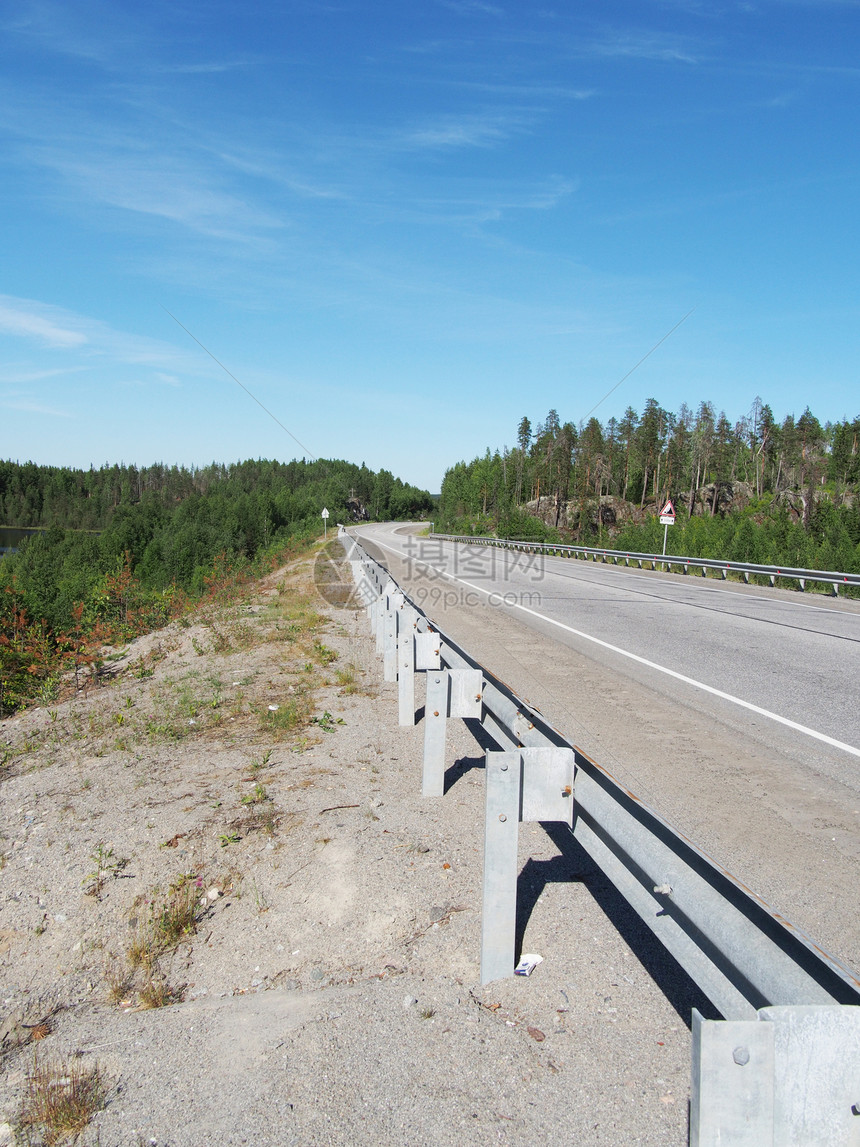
(724, 568)
(742, 954)
(802, 1066)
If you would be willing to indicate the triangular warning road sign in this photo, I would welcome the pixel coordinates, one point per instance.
(668, 510)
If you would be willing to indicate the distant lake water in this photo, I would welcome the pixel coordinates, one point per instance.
(11, 537)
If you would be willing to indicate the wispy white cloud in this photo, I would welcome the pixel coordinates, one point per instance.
(48, 325)
(643, 46)
(89, 30)
(202, 69)
(15, 374)
(158, 184)
(467, 131)
(536, 91)
(472, 7)
(490, 203)
(86, 342)
(265, 166)
(33, 407)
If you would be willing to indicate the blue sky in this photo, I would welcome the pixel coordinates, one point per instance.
(404, 225)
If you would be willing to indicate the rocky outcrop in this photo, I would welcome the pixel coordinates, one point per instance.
(717, 498)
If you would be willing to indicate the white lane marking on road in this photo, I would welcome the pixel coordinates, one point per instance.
(814, 733)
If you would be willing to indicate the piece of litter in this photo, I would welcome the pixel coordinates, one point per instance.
(274, 708)
(527, 964)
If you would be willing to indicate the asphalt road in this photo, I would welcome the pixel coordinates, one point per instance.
(732, 710)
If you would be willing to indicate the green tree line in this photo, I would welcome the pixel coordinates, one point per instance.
(122, 546)
(801, 478)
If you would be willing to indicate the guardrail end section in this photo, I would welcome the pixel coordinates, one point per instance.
(789, 1078)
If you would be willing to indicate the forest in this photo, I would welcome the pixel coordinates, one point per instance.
(123, 549)
(754, 490)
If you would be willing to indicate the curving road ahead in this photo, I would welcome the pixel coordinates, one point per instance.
(732, 710)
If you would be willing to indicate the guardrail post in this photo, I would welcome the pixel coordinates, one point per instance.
(380, 616)
(406, 667)
(530, 784)
(450, 693)
(787, 1078)
(731, 1097)
(501, 836)
(394, 602)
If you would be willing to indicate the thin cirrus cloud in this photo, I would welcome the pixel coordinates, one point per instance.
(473, 7)
(47, 325)
(33, 408)
(466, 131)
(628, 45)
(159, 185)
(58, 329)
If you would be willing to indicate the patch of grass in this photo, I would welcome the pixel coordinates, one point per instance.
(262, 817)
(324, 655)
(287, 717)
(173, 916)
(229, 635)
(158, 993)
(183, 708)
(119, 980)
(348, 678)
(61, 1099)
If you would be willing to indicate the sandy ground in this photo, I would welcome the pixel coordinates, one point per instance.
(322, 985)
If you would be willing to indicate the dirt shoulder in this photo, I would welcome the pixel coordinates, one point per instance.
(233, 828)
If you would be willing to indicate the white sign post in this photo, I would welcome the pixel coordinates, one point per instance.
(325, 526)
(667, 519)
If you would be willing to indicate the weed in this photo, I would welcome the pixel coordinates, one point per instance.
(326, 722)
(173, 916)
(256, 765)
(227, 838)
(158, 993)
(106, 865)
(118, 979)
(287, 717)
(49, 691)
(263, 817)
(347, 678)
(61, 1099)
(325, 655)
(428, 1013)
(259, 898)
(256, 796)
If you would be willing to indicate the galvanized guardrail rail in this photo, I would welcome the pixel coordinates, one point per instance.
(724, 568)
(783, 1067)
